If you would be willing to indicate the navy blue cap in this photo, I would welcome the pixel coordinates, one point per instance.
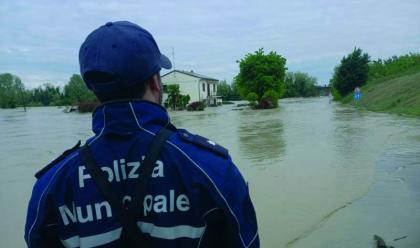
(123, 50)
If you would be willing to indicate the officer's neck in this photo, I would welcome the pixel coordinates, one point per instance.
(151, 98)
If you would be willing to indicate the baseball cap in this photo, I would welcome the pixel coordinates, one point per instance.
(125, 52)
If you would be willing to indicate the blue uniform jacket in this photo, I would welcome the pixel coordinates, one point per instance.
(195, 190)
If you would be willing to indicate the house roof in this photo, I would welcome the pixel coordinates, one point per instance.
(193, 74)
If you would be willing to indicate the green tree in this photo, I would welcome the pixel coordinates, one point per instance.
(76, 91)
(259, 73)
(352, 72)
(173, 95)
(175, 99)
(299, 84)
(12, 91)
(46, 95)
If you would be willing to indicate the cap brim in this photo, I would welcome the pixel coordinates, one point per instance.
(165, 62)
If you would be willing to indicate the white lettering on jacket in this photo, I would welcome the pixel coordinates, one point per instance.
(159, 204)
(84, 214)
(120, 170)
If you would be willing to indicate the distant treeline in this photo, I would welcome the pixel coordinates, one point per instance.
(228, 92)
(299, 84)
(354, 70)
(14, 94)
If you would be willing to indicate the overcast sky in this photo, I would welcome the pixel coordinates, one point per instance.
(40, 39)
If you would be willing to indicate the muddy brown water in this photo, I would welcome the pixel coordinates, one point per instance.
(320, 174)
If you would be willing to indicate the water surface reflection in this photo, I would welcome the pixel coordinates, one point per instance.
(261, 136)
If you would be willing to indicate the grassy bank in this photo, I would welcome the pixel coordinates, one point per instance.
(399, 95)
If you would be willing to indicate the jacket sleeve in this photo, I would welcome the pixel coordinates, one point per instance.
(41, 228)
(239, 210)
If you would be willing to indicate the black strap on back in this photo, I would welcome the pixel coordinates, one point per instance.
(128, 215)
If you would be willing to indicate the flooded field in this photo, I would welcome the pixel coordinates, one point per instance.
(320, 174)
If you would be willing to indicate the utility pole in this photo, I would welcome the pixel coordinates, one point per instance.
(173, 57)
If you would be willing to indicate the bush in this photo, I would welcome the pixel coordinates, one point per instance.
(396, 65)
(196, 106)
(252, 98)
(182, 101)
(336, 95)
(87, 106)
(270, 99)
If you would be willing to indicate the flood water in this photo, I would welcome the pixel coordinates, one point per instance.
(320, 174)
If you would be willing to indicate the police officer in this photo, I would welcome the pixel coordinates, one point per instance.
(193, 195)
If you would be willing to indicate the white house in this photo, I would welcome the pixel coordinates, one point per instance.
(198, 87)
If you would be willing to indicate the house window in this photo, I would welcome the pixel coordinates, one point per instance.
(204, 87)
(214, 87)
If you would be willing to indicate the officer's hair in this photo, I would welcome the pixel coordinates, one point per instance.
(136, 91)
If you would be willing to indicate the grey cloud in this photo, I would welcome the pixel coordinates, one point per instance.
(209, 36)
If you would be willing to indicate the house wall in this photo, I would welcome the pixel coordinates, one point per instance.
(204, 86)
(188, 85)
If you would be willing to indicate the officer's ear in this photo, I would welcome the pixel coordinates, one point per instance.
(154, 83)
(153, 90)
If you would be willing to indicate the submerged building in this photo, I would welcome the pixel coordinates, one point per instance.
(199, 87)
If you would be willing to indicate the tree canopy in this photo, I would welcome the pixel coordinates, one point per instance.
(352, 72)
(260, 73)
(76, 91)
(11, 91)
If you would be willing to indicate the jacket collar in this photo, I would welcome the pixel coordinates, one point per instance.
(127, 117)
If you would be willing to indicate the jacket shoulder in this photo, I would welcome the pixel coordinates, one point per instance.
(202, 142)
(44, 170)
